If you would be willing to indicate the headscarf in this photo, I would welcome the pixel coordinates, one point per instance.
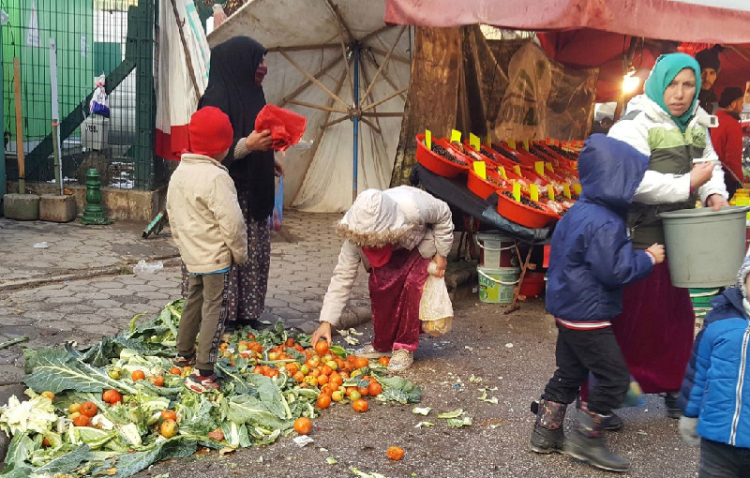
(232, 88)
(665, 70)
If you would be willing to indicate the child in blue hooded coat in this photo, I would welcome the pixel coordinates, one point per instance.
(715, 394)
(592, 259)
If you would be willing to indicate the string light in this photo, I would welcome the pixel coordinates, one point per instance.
(630, 82)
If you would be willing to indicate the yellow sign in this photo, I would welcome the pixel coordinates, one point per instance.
(526, 144)
(501, 170)
(489, 140)
(566, 190)
(577, 188)
(517, 191)
(455, 136)
(534, 192)
(512, 143)
(480, 169)
(549, 167)
(551, 192)
(539, 167)
(517, 169)
(474, 141)
(428, 139)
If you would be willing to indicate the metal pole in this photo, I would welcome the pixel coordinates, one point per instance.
(355, 161)
(3, 177)
(55, 114)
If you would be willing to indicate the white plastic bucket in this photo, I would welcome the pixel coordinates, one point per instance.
(496, 284)
(496, 251)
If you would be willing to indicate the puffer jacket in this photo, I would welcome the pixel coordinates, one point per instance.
(716, 388)
(666, 185)
(427, 219)
(204, 215)
(592, 258)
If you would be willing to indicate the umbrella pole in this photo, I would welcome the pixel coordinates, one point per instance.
(356, 52)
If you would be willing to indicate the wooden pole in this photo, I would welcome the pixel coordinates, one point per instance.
(304, 85)
(318, 107)
(188, 58)
(387, 98)
(19, 126)
(312, 78)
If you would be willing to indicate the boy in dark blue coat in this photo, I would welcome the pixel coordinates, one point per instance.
(715, 395)
(592, 259)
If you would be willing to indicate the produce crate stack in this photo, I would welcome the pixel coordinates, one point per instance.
(701, 299)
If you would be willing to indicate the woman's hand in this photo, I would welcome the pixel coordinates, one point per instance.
(700, 174)
(323, 332)
(258, 141)
(716, 201)
(442, 263)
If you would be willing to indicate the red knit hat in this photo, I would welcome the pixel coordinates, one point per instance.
(210, 131)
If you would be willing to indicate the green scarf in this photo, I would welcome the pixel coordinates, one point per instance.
(665, 70)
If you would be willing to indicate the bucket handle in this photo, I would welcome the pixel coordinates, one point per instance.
(476, 239)
(497, 281)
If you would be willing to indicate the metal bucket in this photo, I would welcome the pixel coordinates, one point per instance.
(705, 248)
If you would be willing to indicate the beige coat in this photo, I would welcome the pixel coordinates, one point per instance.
(404, 215)
(204, 215)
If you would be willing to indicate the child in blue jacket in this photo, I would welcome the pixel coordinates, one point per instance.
(592, 259)
(715, 394)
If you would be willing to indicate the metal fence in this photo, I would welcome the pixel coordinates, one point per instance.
(92, 37)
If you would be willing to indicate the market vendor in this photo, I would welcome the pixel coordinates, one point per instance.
(657, 325)
(395, 234)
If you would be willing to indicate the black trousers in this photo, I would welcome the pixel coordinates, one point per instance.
(580, 352)
(719, 460)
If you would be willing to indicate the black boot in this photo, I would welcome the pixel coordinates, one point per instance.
(586, 443)
(670, 402)
(548, 435)
(612, 423)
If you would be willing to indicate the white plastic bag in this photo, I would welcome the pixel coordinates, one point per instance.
(99, 104)
(435, 307)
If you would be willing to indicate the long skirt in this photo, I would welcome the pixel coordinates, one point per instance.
(656, 331)
(395, 292)
(248, 282)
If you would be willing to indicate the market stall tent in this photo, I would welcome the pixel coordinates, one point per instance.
(337, 63)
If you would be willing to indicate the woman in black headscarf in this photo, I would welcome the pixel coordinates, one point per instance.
(236, 73)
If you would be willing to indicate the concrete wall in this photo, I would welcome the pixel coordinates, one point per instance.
(120, 204)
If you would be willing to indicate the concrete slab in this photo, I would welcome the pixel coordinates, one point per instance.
(21, 207)
(57, 208)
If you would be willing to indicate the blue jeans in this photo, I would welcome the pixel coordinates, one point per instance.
(719, 460)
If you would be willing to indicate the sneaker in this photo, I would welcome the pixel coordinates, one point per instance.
(184, 360)
(368, 351)
(199, 384)
(401, 360)
(670, 403)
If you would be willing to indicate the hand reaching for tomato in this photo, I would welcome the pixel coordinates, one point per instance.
(322, 332)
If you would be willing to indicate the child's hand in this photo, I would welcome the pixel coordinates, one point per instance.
(688, 431)
(657, 252)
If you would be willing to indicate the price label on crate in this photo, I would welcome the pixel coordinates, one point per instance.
(517, 192)
(551, 192)
(534, 192)
(577, 188)
(489, 140)
(480, 169)
(428, 139)
(539, 167)
(526, 144)
(549, 167)
(501, 170)
(474, 141)
(517, 169)
(512, 143)
(455, 136)
(566, 190)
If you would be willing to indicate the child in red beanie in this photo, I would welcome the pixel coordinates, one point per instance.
(209, 229)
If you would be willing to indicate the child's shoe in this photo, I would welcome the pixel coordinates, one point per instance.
(200, 384)
(182, 361)
(548, 435)
(586, 443)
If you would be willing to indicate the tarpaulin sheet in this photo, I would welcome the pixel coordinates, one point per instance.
(711, 21)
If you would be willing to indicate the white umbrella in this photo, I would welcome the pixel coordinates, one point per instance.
(337, 63)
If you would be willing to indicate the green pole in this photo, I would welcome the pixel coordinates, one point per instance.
(3, 177)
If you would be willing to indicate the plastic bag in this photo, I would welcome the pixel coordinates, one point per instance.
(149, 267)
(435, 307)
(286, 126)
(99, 104)
(274, 222)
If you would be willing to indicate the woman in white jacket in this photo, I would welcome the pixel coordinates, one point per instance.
(395, 234)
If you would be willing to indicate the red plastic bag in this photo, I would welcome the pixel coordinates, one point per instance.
(286, 126)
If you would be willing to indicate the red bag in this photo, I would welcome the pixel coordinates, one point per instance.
(286, 126)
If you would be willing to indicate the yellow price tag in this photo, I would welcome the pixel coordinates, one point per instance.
(455, 136)
(566, 190)
(480, 169)
(517, 169)
(489, 140)
(428, 139)
(577, 188)
(526, 144)
(517, 192)
(551, 192)
(474, 141)
(512, 143)
(539, 167)
(501, 170)
(549, 167)
(534, 192)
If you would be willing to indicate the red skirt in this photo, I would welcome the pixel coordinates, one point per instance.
(395, 292)
(655, 331)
